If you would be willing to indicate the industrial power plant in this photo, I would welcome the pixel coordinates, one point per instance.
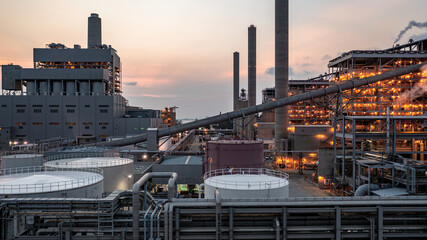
(342, 155)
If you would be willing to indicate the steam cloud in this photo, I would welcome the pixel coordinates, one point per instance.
(409, 27)
(418, 90)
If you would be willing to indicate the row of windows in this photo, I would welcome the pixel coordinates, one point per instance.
(56, 110)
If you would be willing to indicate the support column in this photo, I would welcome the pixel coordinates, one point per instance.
(285, 224)
(231, 224)
(337, 223)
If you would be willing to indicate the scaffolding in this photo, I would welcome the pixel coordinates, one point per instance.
(384, 118)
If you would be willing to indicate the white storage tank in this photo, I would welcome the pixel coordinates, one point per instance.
(246, 183)
(118, 171)
(43, 182)
(21, 160)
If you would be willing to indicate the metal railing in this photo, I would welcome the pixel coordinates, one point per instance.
(246, 185)
(51, 186)
(121, 159)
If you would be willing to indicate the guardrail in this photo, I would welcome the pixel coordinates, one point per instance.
(122, 158)
(51, 186)
(247, 185)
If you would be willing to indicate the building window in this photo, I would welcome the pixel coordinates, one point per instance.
(53, 105)
(37, 123)
(70, 105)
(19, 136)
(21, 105)
(54, 110)
(70, 127)
(104, 127)
(104, 106)
(87, 123)
(54, 123)
(87, 127)
(103, 110)
(37, 110)
(70, 123)
(34, 106)
(20, 110)
(104, 123)
(3, 105)
(20, 123)
(70, 110)
(87, 106)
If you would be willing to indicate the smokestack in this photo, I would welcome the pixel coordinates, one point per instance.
(252, 65)
(236, 73)
(94, 31)
(282, 71)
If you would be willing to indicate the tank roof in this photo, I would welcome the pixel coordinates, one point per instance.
(89, 162)
(40, 179)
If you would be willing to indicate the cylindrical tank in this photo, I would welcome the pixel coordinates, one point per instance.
(43, 90)
(234, 153)
(42, 182)
(70, 87)
(31, 88)
(57, 87)
(21, 160)
(84, 87)
(118, 171)
(98, 88)
(246, 183)
(94, 37)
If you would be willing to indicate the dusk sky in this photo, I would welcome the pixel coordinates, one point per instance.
(179, 52)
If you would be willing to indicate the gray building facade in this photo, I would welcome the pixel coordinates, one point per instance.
(70, 93)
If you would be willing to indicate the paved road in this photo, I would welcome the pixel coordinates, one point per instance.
(299, 187)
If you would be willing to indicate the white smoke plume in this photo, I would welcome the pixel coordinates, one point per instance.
(409, 27)
(418, 90)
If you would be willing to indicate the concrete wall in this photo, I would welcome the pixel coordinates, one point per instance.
(326, 162)
(41, 117)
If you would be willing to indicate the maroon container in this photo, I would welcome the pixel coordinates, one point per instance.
(224, 154)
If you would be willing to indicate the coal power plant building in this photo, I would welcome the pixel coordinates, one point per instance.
(71, 93)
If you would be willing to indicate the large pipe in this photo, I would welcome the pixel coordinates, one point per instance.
(281, 71)
(350, 84)
(236, 76)
(252, 65)
(136, 205)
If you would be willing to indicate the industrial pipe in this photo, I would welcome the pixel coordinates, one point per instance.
(135, 195)
(350, 84)
(365, 189)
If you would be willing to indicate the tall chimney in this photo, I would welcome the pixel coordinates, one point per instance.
(94, 31)
(282, 71)
(252, 65)
(236, 73)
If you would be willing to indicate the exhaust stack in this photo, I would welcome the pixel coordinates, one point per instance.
(94, 37)
(282, 72)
